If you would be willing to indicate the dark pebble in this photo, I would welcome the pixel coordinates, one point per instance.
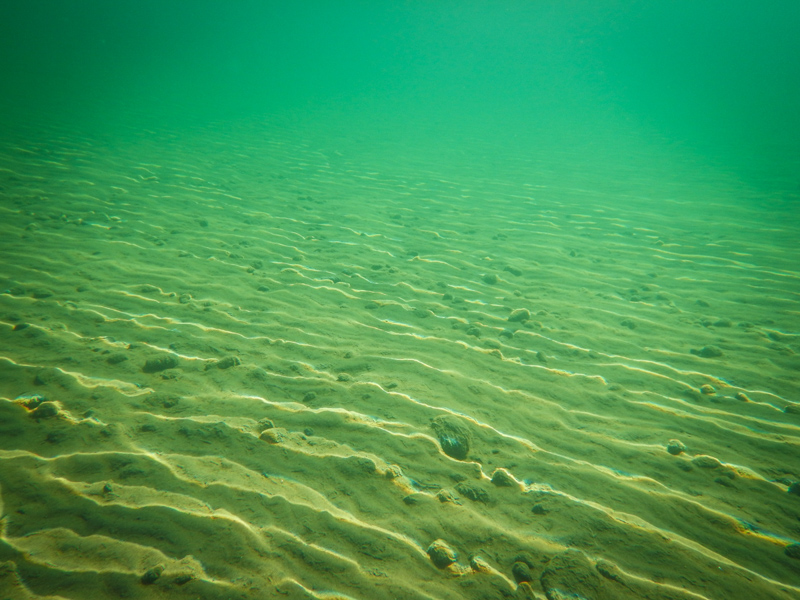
(519, 315)
(163, 362)
(707, 352)
(45, 410)
(31, 401)
(454, 438)
(116, 358)
(521, 572)
(473, 493)
(228, 362)
(152, 575)
(538, 509)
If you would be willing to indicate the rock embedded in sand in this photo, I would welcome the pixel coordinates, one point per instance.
(45, 410)
(30, 401)
(274, 435)
(609, 571)
(521, 572)
(152, 575)
(539, 509)
(675, 447)
(519, 315)
(795, 488)
(707, 352)
(445, 496)
(479, 564)
(475, 494)
(116, 358)
(708, 390)
(454, 438)
(162, 362)
(792, 551)
(490, 278)
(228, 362)
(706, 462)
(393, 472)
(502, 478)
(183, 579)
(441, 554)
(413, 499)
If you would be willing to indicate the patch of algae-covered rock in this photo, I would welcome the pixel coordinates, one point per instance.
(454, 437)
(441, 554)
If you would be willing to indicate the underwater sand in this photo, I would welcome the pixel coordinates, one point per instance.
(231, 364)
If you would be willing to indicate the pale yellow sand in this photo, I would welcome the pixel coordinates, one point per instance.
(319, 309)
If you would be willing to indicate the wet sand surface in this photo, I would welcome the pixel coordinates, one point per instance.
(251, 364)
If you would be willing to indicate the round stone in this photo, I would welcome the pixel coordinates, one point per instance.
(454, 437)
(502, 478)
(520, 315)
(45, 410)
(675, 447)
(706, 462)
(521, 572)
(274, 435)
(441, 554)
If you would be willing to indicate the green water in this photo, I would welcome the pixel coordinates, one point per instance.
(715, 85)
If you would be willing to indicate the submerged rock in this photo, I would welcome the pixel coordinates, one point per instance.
(45, 410)
(228, 362)
(441, 554)
(454, 437)
(502, 478)
(706, 462)
(675, 447)
(519, 315)
(152, 575)
(161, 362)
(707, 352)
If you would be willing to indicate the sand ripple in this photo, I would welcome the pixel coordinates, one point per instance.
(219, 378)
